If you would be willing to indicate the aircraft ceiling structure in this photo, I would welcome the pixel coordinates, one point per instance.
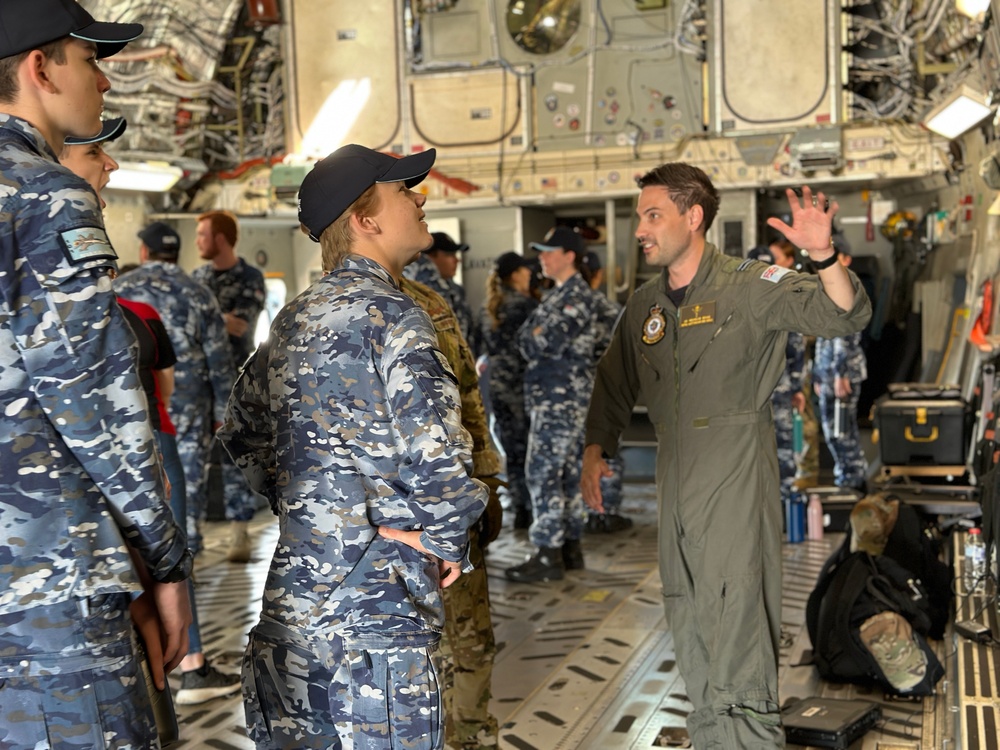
(201, 88)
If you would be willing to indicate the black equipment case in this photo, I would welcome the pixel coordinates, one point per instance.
(921, 424)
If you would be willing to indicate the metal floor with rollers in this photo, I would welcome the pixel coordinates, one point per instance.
(587, 663)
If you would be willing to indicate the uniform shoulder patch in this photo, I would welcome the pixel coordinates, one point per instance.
(748, 263)
(774, 274)
(86, 244)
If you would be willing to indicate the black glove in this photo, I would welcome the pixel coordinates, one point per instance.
(491, 521)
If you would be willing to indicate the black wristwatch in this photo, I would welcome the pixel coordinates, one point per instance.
(181, 571)
(819, 265)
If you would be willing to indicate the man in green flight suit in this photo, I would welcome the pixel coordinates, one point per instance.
(703, 345)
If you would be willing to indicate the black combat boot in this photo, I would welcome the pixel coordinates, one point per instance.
(545, 565)
(522, 518)
(572, 555)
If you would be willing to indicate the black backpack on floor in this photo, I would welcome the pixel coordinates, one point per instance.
(851, 588)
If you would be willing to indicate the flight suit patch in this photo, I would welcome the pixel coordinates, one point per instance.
(85, 244)
(774, 274)
(655, 326)
(696, 315)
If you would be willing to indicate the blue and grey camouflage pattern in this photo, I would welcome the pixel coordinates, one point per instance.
(424, 271)
(203, 375)
(612, 487)
(238, 290)
(842, 357)
(79, 473)
(346, 419)
(781, 404)
(303, 692)
(561, 362)
(70, 678)
(506, 373)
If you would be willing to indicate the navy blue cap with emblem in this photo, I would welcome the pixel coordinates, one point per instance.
(29, 24)
(161, 238)
(561, 238)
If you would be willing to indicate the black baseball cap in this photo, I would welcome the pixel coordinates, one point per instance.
(509, 262)
(161, 238)
(561, 238)
(339, 179)
(445, 244)
(110, 130)
(29, 24)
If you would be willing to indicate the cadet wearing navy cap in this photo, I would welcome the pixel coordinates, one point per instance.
(203, 375)
(347, 419)
(79, 473)
(561, 342)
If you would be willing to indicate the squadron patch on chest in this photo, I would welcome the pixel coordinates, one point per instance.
(86, 243)
(696, 315)
(655, 326)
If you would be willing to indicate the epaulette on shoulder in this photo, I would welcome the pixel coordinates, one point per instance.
(747, 264)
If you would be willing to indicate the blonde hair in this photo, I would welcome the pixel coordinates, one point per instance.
(337, 239)
(494, 298)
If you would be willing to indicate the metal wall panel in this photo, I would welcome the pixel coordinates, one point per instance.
(768, 70)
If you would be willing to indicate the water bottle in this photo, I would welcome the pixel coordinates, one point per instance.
(839, 418)
(814, 517)
(795, 517)
(974, 572)
(161, 701)
(797, 438)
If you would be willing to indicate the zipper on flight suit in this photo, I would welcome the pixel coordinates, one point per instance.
(714, 336)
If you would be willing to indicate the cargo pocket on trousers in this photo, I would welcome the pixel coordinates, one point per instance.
(737, 640)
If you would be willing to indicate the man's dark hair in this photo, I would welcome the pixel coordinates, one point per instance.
(8, 67)
(688, 186)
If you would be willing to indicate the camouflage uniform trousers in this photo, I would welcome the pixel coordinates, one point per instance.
(325, 693)
(555, 452)
(193, 421)
(781, 405)
(513, 423)
(70, 680)
(464, 659)
(850, 467)
(240, 500)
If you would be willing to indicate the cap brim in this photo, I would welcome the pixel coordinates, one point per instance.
(410, 169)
(110, 130)
(109, 37)
(544, 248)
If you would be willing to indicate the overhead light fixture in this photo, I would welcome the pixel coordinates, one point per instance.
(972, 8)
(150, 176)
(959, 111)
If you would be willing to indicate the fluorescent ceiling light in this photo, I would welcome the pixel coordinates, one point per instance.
(972, 8)
(960, 110)
(151, 176)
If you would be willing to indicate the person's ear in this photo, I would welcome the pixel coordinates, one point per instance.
(35, 69)
(696, 217)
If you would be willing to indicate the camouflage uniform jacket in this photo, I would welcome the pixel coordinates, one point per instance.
(78, 470)
(840, 358)
(565, 350)
(790, 382)
(347, 418)
(423, 271)
(485, 461)
(507, 364)
(194, 321)
(240, 291)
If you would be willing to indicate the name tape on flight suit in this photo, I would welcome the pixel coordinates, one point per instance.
(696, 315)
